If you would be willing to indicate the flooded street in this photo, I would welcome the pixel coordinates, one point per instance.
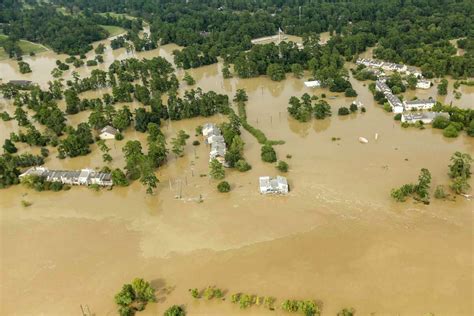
(337, 237)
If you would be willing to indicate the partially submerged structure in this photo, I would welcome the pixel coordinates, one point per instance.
(424, 117)
(276, 185)
(74, 177)
(313, 84)
(108, 132)
(419, 104)
(423, 84)
(213, 136)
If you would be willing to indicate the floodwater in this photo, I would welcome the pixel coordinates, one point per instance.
(337, 237)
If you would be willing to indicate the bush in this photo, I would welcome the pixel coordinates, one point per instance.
(223, 187)
(118, 136)
(451, 131)
(195, 293)
(56, 186)
(242, 165)
(363, 109)
(398, 117)
(350, 93)
(387, 107)
(91, 62)
(343, 111)
(353, 107)
(282, 166)
(268, 154)
(440, 122)
(175, 310)
(196, 143)
(440, 193)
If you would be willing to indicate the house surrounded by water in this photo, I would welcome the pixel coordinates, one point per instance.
(71, 177)
(273, 185)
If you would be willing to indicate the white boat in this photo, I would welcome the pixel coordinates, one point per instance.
(363, 140)
(376, 136)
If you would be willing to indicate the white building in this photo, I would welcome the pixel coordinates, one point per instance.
(395, 103)
(423, 84)
(419, 104)
(312, 84)
(269, 185)
(381, 86)
(74, 177)
(213, 137)
(108, 132)
(413, 71)
(425, 117)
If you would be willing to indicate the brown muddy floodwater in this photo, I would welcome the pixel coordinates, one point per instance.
(337, 237)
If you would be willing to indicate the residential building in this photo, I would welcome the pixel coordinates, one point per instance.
(381, 86)
(276, 185)
(312, 84)
(419, 104)
(213, 137)
(423, 84)
(395, 103)
(108, 132)
(74, 177)
(425, 117)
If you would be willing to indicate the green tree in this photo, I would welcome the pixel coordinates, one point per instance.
(276, 72)
(119, 178)
(343, 111)
(297, 70)
(9, 147)
(268, 154)
(216, 169)
(460, 165)
(349, 92)
(282, 166)
(134, 297)
(223, 187)
(189, 79)
(175, 310)
(443, 87)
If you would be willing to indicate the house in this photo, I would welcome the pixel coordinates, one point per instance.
(312, 84)
(423, 84)
(419, 104)
(213, 137)
(413, 71)
(20, 83)
(270, 185)
(425, 117)
(108, 132)
(381, 86)
(209, 128)
(395, 103)
(74, 177)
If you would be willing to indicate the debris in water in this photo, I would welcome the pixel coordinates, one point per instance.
(363, 140)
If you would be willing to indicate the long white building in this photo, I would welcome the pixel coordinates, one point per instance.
(74, 177)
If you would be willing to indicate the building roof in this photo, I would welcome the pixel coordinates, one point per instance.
(20, 82)
(109, 129)
(420, 102)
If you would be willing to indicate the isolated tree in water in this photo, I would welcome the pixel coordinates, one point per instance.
(134, 297)
(216, 170)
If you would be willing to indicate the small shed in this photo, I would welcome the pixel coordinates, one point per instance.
(273, 185)
(108, 132)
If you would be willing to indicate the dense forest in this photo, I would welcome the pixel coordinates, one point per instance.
(412, 32)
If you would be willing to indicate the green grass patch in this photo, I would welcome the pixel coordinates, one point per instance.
(118, 15)
(26, 46)
(114, 30)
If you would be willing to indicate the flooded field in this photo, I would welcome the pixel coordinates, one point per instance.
(337, 237)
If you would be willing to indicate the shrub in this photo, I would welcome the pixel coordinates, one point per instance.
(268, 154)
(343, 111)
(363, 109)
(440, 122)
(118, 136)
(350, 93)
(387, 107)
(440, 193)
(223, 187)
(175, 310)
(242, 165)
(195, 293)
(25, 203)
(196, 143)
(353, 107)
(282, 166)
(398, 117)
(451, 131)
(56, 186)
(91, 62)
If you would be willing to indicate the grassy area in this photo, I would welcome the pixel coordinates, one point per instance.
(117, 15)
(26, 46)
(114, 30)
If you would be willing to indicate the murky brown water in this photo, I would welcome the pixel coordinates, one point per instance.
(337, 236)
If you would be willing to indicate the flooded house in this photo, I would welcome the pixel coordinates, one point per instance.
(71, 177)
(273, 185)
(213, 136)
(425, 117)
(423, 84)
(419, 104)
(395, 103)
(108, 132)
(313, 84)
